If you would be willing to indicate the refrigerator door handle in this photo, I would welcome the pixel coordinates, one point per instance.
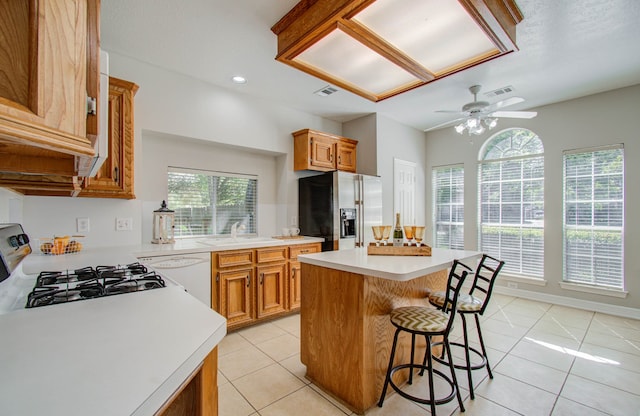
(360, 204)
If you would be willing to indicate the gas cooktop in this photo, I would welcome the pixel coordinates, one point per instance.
(53, 287)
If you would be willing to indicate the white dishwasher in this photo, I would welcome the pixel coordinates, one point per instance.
(191, 271)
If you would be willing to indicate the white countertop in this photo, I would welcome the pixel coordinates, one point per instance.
(400, 268)
(116, 355)
(198, 245)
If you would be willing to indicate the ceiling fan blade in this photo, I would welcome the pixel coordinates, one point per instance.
(504, 103)
(514, 114)
(451, 111)
(446, 123)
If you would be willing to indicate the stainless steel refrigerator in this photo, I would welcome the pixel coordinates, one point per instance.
(340, 207)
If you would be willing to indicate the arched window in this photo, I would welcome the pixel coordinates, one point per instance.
(511, 201)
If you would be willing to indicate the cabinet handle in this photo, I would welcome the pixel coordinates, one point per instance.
(330, 158)
(248, 280)
(304, 251)
(261, 277)
(217, 277)
(340, 159)
(293, 275)
(115, 174)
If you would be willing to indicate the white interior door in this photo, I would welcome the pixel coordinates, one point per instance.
(404, 191)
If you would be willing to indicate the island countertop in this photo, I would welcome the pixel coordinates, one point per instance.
(398, 268)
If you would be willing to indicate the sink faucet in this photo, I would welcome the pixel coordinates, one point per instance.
(235, 228)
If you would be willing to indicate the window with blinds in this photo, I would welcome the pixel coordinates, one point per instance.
(594, 217)
(511, 187)
(448, 206)
(209, 203)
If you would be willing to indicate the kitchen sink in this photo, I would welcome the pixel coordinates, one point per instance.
(226, 242)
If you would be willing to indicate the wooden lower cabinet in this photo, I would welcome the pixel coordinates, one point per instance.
(294, 285)
(198, 396)
(236, 295)
(271, 291)
(249, 286)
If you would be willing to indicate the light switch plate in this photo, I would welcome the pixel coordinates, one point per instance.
(124, 224)
(82, 225)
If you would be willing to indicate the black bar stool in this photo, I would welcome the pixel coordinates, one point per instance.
(428, 322)
(475, 304)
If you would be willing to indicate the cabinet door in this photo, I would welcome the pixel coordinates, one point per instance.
(346, 156)
(294, 285)
(43, 62)
(235, 299)
(323, 151)
(270, 289)
(115, 177)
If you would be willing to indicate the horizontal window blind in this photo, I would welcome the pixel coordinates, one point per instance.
(594, 217)
(511, 195)
(209, 203)
(448, 209)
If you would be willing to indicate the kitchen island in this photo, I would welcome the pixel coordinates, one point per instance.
(347, 296)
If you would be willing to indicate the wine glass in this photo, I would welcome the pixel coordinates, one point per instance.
(408, 232)
(386, 233)
(377, 233)
(418, 234)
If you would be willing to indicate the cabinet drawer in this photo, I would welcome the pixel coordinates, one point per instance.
(265, 255)
(235, 258)
(294, 251)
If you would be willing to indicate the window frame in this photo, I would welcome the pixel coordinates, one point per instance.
(526, 235)
(436, 223)
(567, 281)
(251, 223)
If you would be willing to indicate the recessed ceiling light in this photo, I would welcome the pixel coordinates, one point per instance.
(239, 79)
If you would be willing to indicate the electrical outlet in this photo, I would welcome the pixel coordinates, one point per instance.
(512, 285)
(294, 220)
(82, 225)
(124, 224)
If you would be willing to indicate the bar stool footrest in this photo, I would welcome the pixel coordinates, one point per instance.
(478, 366)
(443, 376)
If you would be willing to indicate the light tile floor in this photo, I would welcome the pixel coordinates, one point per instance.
(547, 360)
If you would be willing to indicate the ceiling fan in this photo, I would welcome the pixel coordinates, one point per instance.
(479, 115)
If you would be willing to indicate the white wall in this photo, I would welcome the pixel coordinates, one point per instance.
(160, 151)
(607, 118)
(171, 104)
(10, 206)
(397, 141)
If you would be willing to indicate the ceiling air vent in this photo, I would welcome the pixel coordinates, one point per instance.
(324, 91)
(500, 91)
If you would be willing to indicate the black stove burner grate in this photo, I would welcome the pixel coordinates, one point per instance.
(54, 287)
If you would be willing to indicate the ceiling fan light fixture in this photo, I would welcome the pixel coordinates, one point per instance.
(490, 122)
(476, 125)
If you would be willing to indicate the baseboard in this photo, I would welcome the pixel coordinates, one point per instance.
(572, 302)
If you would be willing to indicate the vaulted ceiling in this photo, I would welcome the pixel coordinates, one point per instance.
(567, 49)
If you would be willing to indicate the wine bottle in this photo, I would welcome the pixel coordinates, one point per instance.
(398, 236)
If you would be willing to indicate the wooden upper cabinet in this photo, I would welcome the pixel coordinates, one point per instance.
(347, 155)
(115, 177)
(45, 61)
(315, 150)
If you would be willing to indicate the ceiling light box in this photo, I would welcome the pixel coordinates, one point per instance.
(381, 48)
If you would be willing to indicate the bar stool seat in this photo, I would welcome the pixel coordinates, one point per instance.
(468, 304)
(428, 322)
